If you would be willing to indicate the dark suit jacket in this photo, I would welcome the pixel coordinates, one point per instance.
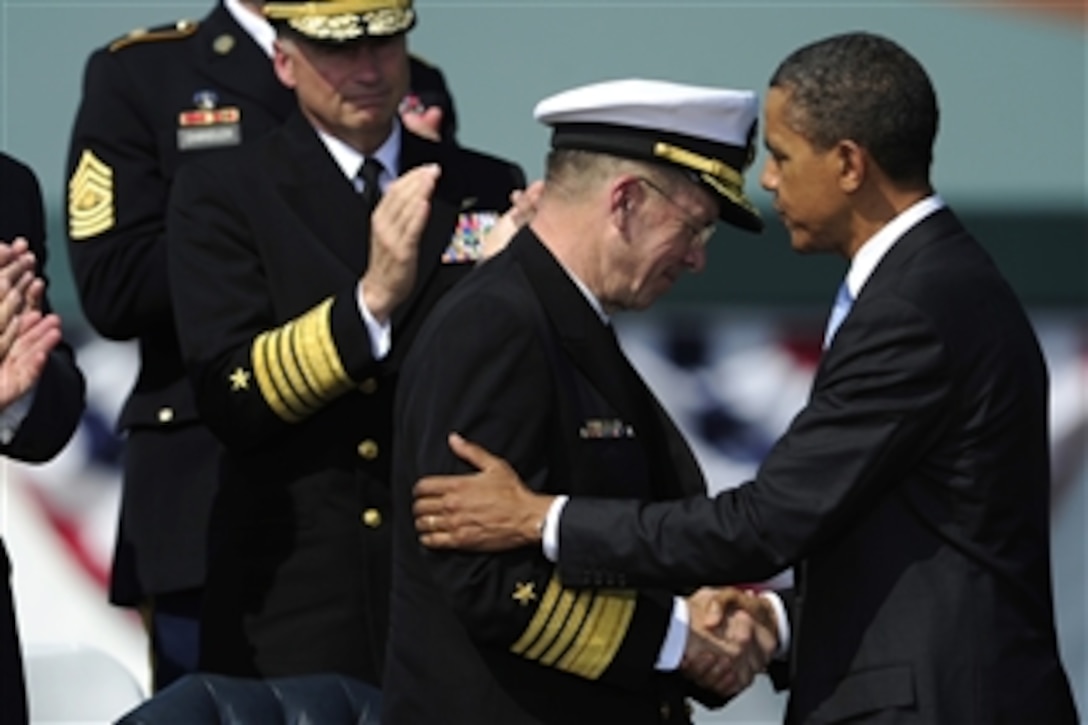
(266, 250)
(134, 91)
(913, 493)
(516, 358)
(51, 420)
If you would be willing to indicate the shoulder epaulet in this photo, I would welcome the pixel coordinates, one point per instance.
(180, 29)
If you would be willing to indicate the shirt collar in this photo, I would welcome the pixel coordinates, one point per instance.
(873, 250)
(255, 25)
(350, 161)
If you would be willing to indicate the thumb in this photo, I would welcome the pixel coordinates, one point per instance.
(471, 453)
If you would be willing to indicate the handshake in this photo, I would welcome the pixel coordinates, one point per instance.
(732, 635)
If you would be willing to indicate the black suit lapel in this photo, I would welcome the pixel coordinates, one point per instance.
(314, 186)
(243, 68)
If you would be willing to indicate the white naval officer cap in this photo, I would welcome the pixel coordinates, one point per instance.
(707, 132)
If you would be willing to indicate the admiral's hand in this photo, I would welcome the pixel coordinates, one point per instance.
(491, 510)
(732, 636)
(395, 229)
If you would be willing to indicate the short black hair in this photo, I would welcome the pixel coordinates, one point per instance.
(868, 89)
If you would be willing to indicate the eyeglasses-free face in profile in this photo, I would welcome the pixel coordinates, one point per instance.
(699, 233)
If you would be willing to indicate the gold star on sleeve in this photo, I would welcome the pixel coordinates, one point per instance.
(524, 593)
(239, 380)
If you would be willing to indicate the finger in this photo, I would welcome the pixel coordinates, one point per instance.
(35, 294)
(429, 492)
(437, 540)
(472, 453)
(37, 340)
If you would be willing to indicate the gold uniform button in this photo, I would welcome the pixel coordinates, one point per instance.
(372, 518)
(369, 386)
(166, 415)
(223, 44)
(368, 449)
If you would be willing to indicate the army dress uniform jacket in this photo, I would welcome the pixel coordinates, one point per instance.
(913, 490)
(153, 101)
(266, 250)
(48, 424)
(516, 359)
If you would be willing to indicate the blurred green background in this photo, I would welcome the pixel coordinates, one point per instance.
(1011, 83)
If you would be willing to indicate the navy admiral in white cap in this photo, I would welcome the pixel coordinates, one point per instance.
(520, 357)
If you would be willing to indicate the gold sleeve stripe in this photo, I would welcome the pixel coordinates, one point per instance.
(540, 618)
(306, 366)
(318, 349)
(300, 391)
(557, 624)
(277, 370)
(574, 625)
(90, 198)
(262, 371)
(577, 631)
(297, 366)
(602, 635)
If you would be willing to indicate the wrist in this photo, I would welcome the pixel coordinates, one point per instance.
(539, 518)
(376, 301)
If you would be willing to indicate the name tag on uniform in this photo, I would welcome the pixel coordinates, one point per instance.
(609, 428)
(209, 128)
(466, 245)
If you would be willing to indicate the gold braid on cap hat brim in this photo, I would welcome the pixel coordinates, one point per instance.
(283, 11)
(725, 179)
(345, 20)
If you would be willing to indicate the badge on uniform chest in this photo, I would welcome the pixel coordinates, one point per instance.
(208, 126)
(466, 244)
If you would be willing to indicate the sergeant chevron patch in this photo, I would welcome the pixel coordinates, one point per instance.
(90, 198)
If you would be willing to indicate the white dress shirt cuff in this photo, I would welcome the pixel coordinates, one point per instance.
(549, 539)
(676, 638)
(13, 416)
(381, 335)
(783, 624)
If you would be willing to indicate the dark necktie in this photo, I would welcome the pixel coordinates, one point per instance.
(372, 190)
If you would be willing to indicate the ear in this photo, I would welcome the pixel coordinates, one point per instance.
(853, 161)
(623, 194)
(284, 63)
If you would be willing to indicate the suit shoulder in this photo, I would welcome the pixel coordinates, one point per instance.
(178, 30)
